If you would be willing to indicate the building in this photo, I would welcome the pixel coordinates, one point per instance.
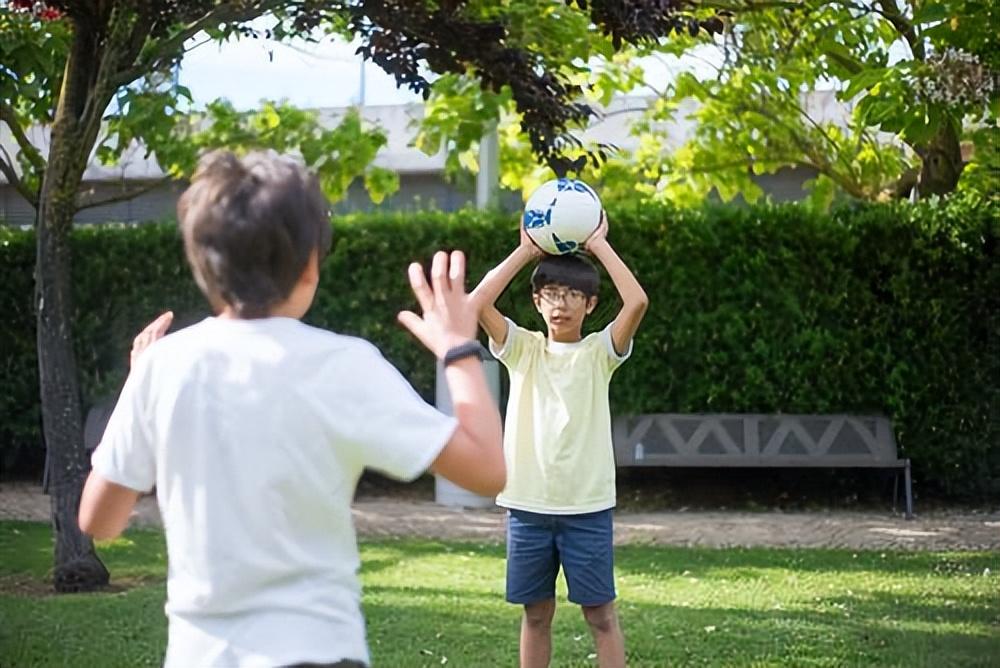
(421, 176)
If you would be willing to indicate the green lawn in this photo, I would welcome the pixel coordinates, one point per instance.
(433, 604)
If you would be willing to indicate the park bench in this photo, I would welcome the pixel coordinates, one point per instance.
(760, 441)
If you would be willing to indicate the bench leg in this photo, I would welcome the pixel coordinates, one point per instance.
(908, 482)
(895, 489)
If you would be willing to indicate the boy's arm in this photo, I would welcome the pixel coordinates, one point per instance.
(473, 457)
(634, 299)
(495, 282)
(105, 506)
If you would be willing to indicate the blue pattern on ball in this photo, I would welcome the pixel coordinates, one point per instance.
(564, 184)
(535, 218)
(564, 246)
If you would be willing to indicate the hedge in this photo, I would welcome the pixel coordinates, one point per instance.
(889, 309)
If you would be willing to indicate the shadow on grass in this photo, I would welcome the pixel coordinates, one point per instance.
(383, 555)
(751, 562)
(474, 629)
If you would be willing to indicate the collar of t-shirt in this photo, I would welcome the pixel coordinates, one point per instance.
(562, 347)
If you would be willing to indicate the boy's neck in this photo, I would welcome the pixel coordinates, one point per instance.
(565, 337)
(283, 310)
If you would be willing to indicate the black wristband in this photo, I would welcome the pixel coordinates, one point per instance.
(463, 350)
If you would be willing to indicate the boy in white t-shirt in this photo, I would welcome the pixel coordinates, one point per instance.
(254, 427)
(560, 462)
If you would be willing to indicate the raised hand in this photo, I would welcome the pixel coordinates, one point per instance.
(153, 331)
(526, 243)
(600, 235)
(449, 316)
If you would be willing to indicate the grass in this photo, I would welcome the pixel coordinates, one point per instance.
(431, 604)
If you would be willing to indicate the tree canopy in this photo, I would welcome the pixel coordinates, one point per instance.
(913, 80)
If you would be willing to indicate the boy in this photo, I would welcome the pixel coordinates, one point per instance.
(561, 470)
(254, 427)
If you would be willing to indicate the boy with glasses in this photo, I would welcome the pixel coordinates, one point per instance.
(557, 440)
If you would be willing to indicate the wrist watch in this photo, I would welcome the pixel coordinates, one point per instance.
(461, 351)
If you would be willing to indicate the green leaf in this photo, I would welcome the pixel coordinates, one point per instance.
(863, 81)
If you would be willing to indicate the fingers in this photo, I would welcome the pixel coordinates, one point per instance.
(439, 276)
(159, 327)
(456, 271)
(410, 320)
(415, 324)
(153, 331)
(444, 304)
(420, 288)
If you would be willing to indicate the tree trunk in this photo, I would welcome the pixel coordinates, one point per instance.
(77, 567)
(942, 164)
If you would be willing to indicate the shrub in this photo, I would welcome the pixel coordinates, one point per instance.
(887, 309)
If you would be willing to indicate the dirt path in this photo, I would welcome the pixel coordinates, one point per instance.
(386, 517)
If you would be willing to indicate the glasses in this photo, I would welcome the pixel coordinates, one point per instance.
(567, 296)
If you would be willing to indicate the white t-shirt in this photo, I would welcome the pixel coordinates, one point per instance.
(254, 433)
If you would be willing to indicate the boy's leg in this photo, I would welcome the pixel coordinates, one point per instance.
(532, 566)
(536, 634)
(608, 638)
(586, 550)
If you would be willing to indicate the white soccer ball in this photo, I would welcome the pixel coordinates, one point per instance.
(561, 215)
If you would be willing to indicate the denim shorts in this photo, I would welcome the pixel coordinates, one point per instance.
(538, 544)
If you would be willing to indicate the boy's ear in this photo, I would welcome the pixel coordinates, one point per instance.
(591, 304)
(537, 300)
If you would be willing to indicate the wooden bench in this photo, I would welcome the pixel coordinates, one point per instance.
(735, 440)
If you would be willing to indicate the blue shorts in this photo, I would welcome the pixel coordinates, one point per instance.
(538, 544)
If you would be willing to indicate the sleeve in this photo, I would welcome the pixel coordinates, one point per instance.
(398, 433)
(126, 454)
(609, 357)
(514, 347)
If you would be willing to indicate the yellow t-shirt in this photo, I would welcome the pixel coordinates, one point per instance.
(557, 436)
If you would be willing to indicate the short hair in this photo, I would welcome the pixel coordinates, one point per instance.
(249, 226)
(574, 271)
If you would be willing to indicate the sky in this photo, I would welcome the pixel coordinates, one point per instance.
(327, 74)
(311, 75)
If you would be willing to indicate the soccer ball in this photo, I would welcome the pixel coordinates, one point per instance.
(561, 215)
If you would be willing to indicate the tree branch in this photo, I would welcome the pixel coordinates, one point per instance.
(604, 115)
(851, 66)
(746, 5)
(7, 169)
(835, 149)
(814, 157)
(171, 46)
(8, 116)
(892, 14)
(722, 166)
(120, 26)
(125, 195)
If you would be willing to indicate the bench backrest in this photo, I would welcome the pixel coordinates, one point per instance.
(746, 439)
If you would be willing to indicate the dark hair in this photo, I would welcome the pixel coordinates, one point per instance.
(573, 271)
(249, 227)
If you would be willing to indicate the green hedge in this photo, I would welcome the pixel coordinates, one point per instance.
(875, 309)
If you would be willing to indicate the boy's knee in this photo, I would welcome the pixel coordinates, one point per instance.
(539, 615)
(601, 618)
